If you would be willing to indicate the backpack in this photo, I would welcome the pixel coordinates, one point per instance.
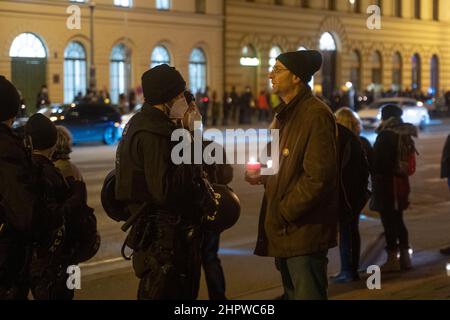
(406, 156)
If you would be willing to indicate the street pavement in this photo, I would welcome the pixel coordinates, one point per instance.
(108, 276)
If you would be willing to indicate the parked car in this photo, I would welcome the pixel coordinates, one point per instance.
(128, 116)
(90, 122)
(414, 112)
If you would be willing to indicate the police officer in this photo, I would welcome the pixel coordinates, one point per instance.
(16, 201)
(55, 248)
(163, 198)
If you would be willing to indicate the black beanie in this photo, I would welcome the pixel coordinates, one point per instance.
(9, 100)
(391, 111)
(161, 84)
(42, 132)
(302, 63)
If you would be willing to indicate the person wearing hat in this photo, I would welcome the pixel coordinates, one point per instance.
(390, 188)
(55, 248)
(299, 214)
(17, 202)
(160, 195)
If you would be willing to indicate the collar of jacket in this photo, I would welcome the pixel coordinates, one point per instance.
(42, 160)
(286, 109)
(159, 122)
(398, 126)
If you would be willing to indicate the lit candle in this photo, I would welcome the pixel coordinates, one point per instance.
(253, 168)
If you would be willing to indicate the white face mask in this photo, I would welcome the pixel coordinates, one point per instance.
(178, 109)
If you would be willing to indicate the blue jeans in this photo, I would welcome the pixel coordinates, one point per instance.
(448, 182)
(305, 277)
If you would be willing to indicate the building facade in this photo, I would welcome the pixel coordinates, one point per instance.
(222, 43)
(410, 50)
(39, 45)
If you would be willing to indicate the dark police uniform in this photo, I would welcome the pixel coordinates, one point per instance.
(165, 237)
(17, 204)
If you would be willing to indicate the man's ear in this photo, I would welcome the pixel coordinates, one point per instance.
(296, 80)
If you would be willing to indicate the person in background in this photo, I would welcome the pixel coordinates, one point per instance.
(354, 192)
(215, 109)
(445, 174)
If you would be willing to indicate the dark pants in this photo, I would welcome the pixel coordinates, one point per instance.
(215, 279)
(350, 246)
(305, 277)
(395, 230)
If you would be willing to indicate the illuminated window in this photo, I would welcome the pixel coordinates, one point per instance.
(197, 71)
(249, 57)
(27, 45)
(160, 55)
(434, 88)
(120, 75)
(416, 70)
(74, 71)
(273, 54)
(327, 42)
(123, 3)
(163, 4)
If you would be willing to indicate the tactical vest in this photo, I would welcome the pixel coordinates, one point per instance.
(131, 185)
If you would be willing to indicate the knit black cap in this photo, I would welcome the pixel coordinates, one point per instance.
(9, 100)
(302, 63)
(391, 111)
(161, 84)
(42, 132)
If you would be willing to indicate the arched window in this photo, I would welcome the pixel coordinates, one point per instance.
(355, 69)
(197, 71)
(377, 68)
(27, 45)
(249, 56)
(434, 88)
(74, 71)
(120, 71)
(397, 69)
(273, 54)
(160, 55)
(327, 42)
(416, 81)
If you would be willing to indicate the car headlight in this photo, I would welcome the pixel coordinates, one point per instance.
(53, 119)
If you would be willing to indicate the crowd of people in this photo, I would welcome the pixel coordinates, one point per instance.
(311, 205)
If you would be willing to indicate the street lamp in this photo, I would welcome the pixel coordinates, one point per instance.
(92, 78)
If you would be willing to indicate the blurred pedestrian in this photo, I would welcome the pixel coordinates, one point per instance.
(227, 104)
(215, 110)
(394, 161)
(235, 105)
(354, 168)
(42, 97)
(263, 107)
(445, 173)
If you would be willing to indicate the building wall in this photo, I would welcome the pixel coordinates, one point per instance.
(141, 27)
(259, 24)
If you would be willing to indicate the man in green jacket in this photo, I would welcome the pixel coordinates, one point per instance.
(298, 222)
